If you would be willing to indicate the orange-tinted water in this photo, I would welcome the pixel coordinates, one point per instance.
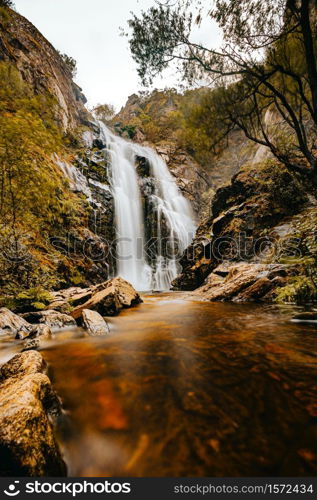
(185, 388)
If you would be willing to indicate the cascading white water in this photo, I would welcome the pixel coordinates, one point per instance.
(172, 210)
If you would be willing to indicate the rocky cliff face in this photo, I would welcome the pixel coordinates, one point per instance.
(42, 67)
(75, 253)
(256, 240)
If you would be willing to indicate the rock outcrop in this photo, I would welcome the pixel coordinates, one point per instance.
(42, 67)
(11, 323)
(107, 298)
(243, 282)
(236, 254)
(34, 331)
(27, 405)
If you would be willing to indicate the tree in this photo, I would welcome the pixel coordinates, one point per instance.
(34, 196)
(70, 62)
(104, 112)
(6, 3)
(265, 69)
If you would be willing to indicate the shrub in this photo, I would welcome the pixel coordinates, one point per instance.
(70, 62)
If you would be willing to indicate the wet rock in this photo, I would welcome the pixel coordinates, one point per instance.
(27, 403)
(243, 282)
(256, 291)
(35, 331)
(306, 317)
(23, 333)
(109, 298)
(31, 345)
(197, 263)
(94, 323)
(21, 365)
(223, 269)
(249, 217)
(10, 322)
(53, 319)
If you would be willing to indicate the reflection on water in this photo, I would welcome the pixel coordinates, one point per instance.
(183, 388)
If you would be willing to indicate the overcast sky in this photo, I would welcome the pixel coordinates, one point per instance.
(89, 32)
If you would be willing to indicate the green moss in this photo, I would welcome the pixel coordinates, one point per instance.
(29, 300)
(5, 17)
(300, 290)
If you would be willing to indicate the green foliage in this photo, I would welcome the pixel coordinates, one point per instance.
(104, 112)
(31, 186)
(201, 126)
(35, 201)
(265, 74)
(6, 3)
(300, 290)
(154, 114)
(29, 300)
(5, 17)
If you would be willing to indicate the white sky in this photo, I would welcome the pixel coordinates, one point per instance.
(88, 30)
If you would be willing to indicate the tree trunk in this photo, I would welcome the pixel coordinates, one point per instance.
(309, 52)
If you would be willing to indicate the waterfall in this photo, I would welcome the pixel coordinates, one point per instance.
(154, 221)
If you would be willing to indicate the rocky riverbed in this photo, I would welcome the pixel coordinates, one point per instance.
(29, 406)
(177, 387)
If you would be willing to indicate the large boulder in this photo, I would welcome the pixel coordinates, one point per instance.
(27, 404)
(11, 323)
(94, 323)
(109, 298)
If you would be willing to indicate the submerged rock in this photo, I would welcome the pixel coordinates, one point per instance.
(27, 401)
(94, 323)
(307, 317)
(10, 322)
(53, 319)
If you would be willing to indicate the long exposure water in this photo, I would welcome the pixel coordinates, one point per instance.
(187, 388)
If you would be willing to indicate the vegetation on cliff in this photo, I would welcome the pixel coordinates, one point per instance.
(35, 202)
(263, 83)
(267, 64)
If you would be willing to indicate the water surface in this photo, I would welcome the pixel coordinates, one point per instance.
(187, 388)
